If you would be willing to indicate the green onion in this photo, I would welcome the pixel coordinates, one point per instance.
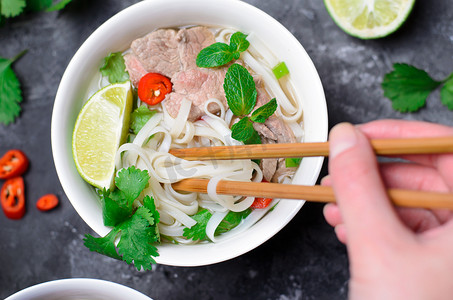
(280, 70)
(292, 162)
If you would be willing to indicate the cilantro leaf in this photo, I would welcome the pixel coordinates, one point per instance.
(131, 182)
(408, 87)
(59, 6)
(139, 117)
(262, 113)
(103, 245)
(446, 93)
(240, 90)
(115, 68)
(38, 5)
(137, 240)
(231, 220)
(292, 162)
(238, 43)
(11, 8)
(242, 130)
(215, 55)
(198, 231)
(115, 207)
(10, 92)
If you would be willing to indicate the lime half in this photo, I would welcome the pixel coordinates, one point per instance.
(101, 127)
(369, 19)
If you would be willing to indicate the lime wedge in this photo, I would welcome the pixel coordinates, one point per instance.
(100, 128)
(369, 19)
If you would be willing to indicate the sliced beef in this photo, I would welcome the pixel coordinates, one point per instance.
(134, 68)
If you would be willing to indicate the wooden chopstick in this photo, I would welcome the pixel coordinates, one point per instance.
(380, 146)
(317, 193)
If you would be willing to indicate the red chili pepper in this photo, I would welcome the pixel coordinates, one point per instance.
(47, 202)
(261, 202)
(13, 163)
(153, 87)
(12, 198)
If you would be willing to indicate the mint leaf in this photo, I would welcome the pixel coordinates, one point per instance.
(446, 93)
(59, 6)
(240, 90)
(103, 245)
(231, 220)
(215, 55)
(242, 130)
(292, 162)
(255, 139)
(139, 117)
(238, 43)
(115, 68)
(408, 87)
(137, 240)
(10, 92)
(11, 8)
(261, 114)
(198, 231)
(131, 182)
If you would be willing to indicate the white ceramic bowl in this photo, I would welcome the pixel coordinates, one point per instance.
(78, 289)
(116, 35)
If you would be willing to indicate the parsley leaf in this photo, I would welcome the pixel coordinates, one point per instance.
(242, 130)
(198, 231)
(408, 87)
(131, 182)
(262, 113)
(139, 117)
(11, 8)
(446, 93)
(10, 92)
(114, 67)
(240, 90)
(219, 54)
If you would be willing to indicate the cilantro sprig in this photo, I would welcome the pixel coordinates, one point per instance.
(136, 229)
(139, 117)
(114, 68)
(408, 88)
(198, 231)
(13, 8)
(219, 54)
(10, 92)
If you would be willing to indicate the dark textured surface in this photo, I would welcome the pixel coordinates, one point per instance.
(304, 260)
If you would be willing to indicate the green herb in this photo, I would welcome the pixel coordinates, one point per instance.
(408, 88)
(240, 90)
(219, 54)
(137, 229)
(292, 162)
(10, 92)
(262, 113)
(198, 231)
(242, 130)
(139, 117)
(255, 139)
(13, 8)
(280, 70)
(114, 68)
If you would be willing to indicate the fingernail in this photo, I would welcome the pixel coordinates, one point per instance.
(342, 137)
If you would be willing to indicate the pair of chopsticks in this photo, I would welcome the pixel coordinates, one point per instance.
(403, 198)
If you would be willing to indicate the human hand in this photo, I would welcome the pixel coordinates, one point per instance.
(394, 253)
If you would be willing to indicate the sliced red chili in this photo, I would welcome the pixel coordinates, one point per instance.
(12, 198)
(13, 163)
(261, 202)
(153, 87)
(47, 202)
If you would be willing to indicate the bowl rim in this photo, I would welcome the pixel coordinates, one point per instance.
(58, 137)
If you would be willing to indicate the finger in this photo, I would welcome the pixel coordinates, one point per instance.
(332, 214)
(340, 231)
(326, 180)
(358, 187)
(412, 129)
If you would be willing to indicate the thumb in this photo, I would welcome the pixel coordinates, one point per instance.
(360, 193)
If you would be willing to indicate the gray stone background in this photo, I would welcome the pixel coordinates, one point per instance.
(304, 260)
